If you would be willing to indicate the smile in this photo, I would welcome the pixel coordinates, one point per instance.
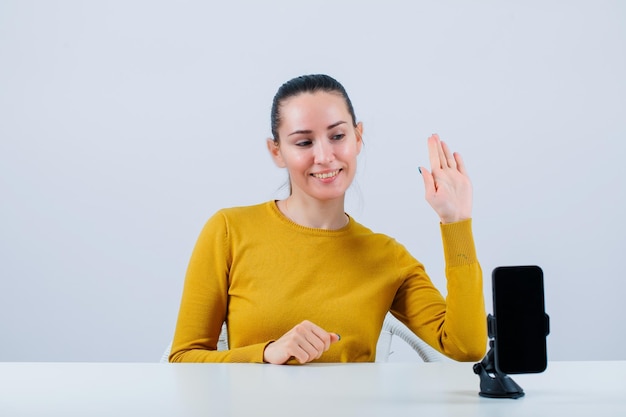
(325, 175)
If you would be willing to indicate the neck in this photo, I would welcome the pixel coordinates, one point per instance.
(313, 213)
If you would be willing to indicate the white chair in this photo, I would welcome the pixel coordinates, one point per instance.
(391, 327)
(394, 327)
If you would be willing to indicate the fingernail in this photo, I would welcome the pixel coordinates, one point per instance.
(419, 169)
(338, 337)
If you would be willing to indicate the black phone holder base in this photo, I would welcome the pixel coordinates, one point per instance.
(493, 383)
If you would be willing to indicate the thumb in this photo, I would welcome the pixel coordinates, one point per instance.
(429, 181)
(334, 337)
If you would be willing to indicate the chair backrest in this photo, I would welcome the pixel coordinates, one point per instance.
(394, 327)
(391, 327)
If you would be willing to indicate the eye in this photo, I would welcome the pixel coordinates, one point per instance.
(303, 142)
(338, 136)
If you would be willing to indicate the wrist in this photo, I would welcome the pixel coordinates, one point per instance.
(449, 220)
(265, 356)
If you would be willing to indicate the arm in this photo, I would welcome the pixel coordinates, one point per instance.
(466, 319)
(455, 326)
(204, 302)
(204, 307)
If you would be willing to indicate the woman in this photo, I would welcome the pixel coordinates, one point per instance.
(298, 280)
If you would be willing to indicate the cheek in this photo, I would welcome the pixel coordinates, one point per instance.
(349, 153)
(297, 162)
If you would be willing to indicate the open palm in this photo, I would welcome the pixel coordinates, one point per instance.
(448, 187)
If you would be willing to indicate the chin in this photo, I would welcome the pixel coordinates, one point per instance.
(328, 196)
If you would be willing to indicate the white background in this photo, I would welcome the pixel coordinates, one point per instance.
(125, 124)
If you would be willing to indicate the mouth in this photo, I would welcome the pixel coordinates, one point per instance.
(326, 175)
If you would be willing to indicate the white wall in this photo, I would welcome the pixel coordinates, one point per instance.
(125, 124)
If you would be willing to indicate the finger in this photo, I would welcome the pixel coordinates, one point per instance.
(324, 337)
(306, 339)
(449, 156)
(327, 339)
(429, 182)
(333, 338)
(300, 354)
(442, 155)
(315, 346)
(460, 164)
(433, 152)
(314, 339)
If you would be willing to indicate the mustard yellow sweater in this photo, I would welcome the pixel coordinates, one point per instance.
(264, 274)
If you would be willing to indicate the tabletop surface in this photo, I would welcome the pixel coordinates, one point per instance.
(374, 389)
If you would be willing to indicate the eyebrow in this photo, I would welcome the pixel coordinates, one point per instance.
(297, 132)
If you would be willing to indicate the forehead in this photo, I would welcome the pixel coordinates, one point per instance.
(306, 110)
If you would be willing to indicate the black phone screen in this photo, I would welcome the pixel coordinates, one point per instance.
(521, 324)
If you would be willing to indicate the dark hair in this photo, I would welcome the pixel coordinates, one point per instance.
(307, 84)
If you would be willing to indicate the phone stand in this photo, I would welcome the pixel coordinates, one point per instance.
(520, 289)
(495, 384)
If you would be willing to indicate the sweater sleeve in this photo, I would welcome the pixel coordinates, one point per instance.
(205, 299)
(456, 325)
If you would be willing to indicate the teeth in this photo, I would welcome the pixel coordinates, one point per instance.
(326, 175)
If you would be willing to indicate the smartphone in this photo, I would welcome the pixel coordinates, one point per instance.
(521, 323)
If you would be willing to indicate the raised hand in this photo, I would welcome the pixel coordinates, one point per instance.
(305, 342)
(448, 188)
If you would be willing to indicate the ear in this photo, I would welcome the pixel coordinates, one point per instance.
(359, 136)
(274, 148)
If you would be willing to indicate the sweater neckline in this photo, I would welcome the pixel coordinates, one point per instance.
(311, 230)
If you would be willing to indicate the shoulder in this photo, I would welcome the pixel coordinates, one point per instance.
(382, 248)
(375, 238)
(243, 211)
(234, 222)
(241, 217)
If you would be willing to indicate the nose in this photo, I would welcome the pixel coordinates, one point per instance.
(323, 152)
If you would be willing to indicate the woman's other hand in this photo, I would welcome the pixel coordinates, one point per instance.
(305, 343)
(448, 188)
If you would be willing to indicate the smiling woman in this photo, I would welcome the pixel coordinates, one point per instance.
(290, 276)
(319, 150)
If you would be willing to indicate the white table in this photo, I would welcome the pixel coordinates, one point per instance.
(383, 389)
